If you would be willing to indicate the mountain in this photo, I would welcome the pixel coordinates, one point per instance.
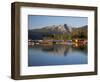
(58, 28)
(36, 34)
(53, 29)
(80, 32)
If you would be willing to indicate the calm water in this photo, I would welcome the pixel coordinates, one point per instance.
(45, 55)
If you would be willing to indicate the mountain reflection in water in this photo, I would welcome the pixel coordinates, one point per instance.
(43, 55)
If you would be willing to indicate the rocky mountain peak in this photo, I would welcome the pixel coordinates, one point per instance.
(58, 28)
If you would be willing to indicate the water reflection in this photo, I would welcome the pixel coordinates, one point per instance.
(61, 49)
(57, 54)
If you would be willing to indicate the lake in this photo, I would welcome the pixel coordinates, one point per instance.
(47, 55)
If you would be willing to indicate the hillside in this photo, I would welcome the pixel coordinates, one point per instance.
(60, 31)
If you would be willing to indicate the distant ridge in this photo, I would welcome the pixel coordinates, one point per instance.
(36, 34)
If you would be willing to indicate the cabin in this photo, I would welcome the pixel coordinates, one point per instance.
(81, 41)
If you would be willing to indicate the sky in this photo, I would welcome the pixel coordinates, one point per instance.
(39, 21)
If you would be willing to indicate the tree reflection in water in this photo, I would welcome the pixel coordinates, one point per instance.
(57, 54)
(61, 50)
